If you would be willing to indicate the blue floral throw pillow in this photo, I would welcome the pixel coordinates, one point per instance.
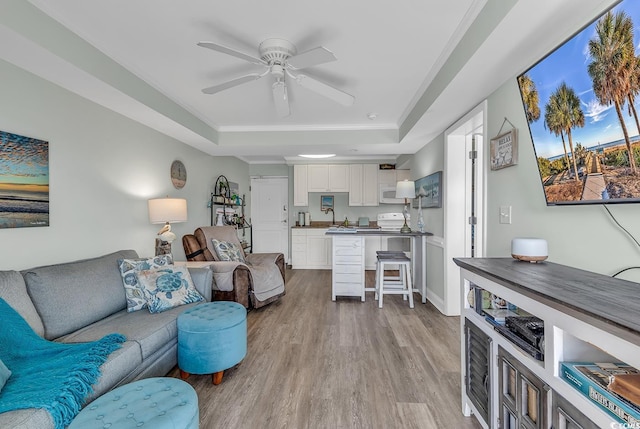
(168, 287)
(227, 251)
(129, 269)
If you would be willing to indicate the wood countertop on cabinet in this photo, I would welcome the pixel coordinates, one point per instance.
(609, 303)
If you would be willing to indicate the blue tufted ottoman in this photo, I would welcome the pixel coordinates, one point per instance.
(154, 403)
(212, 337)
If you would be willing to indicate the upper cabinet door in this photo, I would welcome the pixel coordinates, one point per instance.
(370, 195)
(300, 193)
(339, 178)
(317, 178)
(355, 185)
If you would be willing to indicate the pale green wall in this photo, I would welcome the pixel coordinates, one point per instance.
(580, 236)
(103, 168)
(428, 160)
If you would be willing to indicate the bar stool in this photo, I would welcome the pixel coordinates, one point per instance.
(401, 285)
(397, 280)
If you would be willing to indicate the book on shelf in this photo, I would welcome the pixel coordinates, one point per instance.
(499, 315)
(592, 379)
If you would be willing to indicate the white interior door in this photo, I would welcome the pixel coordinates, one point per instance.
(463, 199)
(270, 214)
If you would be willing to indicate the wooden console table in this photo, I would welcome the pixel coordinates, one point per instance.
(587, 317)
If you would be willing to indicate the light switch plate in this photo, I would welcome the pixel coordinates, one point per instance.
(505, 214)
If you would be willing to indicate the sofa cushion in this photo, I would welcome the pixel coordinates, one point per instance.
(150, 330)
(168, 287)
(75, 294)
(129, 269)
(14, 291)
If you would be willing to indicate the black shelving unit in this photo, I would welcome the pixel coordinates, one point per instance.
(221, 198)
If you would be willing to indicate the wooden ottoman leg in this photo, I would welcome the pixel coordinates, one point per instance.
(217, 377)
(184, 375)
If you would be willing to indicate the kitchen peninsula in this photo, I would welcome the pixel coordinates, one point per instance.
(348, 265)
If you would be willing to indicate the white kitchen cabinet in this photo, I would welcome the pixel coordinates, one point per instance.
(363, 185)
(298, 247)
(317, 178)
(327, 178)
(392, 177)
(311, 248)
(318, 249)
(347, 278)
(403, 175)
(300, 192)
(387, 177)
(355, 185)
(339, 178)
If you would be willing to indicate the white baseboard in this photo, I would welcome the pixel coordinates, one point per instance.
(436, 301)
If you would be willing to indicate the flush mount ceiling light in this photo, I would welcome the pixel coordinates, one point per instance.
(318, 156)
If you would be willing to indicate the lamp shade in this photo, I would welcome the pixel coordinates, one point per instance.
(406, 189)
(171, 210)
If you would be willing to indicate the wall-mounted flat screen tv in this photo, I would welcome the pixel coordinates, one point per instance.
(582, 103)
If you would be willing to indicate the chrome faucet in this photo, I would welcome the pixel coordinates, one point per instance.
(333, 215)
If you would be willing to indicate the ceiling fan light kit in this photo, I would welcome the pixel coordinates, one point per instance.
(279, 57)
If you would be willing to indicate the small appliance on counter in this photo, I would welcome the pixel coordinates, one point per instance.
(391, 221)
(363, 221)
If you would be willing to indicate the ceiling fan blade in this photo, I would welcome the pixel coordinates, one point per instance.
(281, 99)
(233, 52)
(325, 90)
(235, 82)
(313, 57)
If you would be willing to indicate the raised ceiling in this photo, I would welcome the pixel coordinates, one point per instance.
(417, 65)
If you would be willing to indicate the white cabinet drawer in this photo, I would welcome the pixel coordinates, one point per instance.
(347, 251)
(348, 259)
(347, 289)
(348, 242)
(347, 269)
(348, 278)
(299, 239)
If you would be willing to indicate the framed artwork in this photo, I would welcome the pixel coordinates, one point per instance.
(504, 150)
(428, 191)
(326, 202)
(24, 181)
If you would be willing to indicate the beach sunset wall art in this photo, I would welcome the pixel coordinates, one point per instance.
(24, 181)
(582, 104)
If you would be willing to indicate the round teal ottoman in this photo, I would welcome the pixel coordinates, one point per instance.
(154, 403)
(212, 337)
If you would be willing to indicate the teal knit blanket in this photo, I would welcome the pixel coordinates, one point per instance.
(46, 374)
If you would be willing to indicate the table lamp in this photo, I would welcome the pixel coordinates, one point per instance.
(406, 189)
(167, 211)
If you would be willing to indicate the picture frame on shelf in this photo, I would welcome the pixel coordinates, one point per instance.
(326, 202)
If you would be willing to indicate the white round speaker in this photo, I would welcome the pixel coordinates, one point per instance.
(529, 249)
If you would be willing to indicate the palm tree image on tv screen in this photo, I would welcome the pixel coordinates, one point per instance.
(579, 102)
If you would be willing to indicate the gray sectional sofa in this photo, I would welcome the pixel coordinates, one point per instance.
(84, 301)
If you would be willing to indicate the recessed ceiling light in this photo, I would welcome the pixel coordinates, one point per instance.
(318, 156)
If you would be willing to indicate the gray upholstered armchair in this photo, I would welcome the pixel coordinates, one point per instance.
(257, 281)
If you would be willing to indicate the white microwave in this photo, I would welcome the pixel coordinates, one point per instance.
(388, 195)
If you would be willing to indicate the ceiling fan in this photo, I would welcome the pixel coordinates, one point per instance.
(280, 58)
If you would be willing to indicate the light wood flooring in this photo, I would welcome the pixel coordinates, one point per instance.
(314, 363)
